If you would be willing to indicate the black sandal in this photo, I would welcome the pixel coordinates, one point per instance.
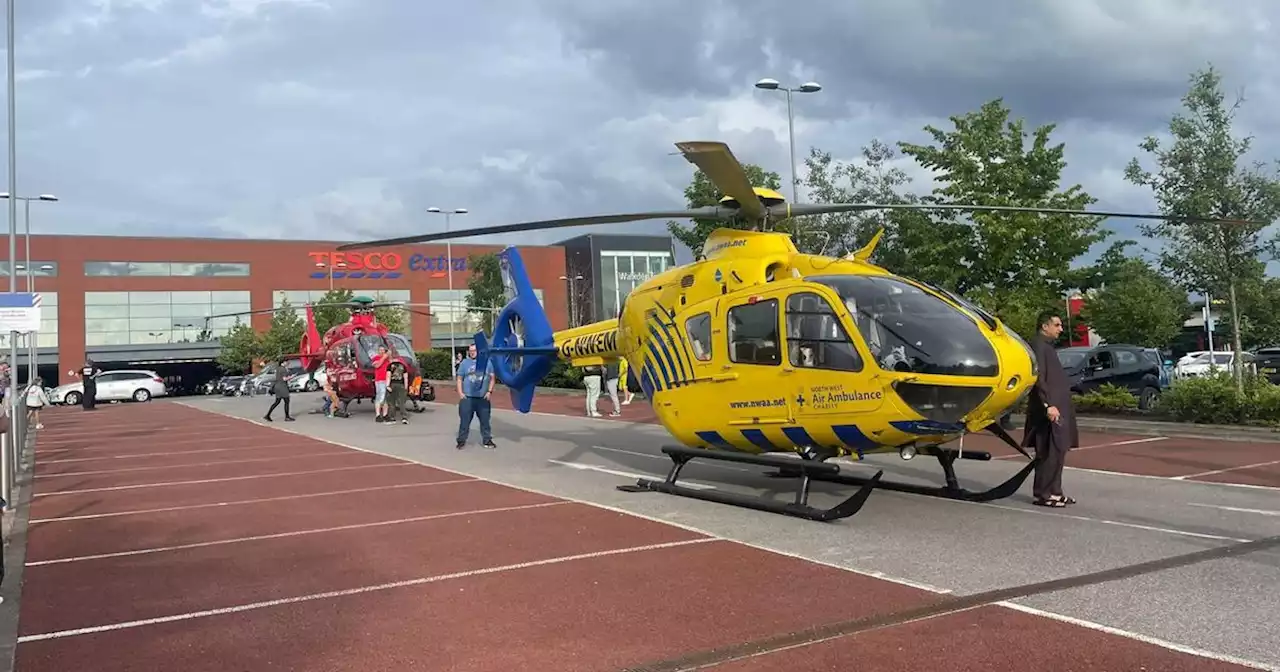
(1054, 503)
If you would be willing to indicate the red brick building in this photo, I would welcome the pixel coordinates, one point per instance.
(142, 301)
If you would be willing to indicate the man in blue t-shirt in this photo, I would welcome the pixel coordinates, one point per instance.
(474, 388)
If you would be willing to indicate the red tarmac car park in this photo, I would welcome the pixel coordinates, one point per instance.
(164, 536)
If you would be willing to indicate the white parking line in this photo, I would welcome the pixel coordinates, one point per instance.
(1223, 471)
(125, 470)
(239, 502)
(132, 456)
(1149, 439)
(295, 533)
(152, 434)
(202, 481)
(627, 474)
(667, 459)
(1106, 521)
(361, 590)
(1236, 509)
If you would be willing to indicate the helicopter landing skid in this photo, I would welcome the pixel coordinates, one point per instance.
(952, 490)
(807, 471)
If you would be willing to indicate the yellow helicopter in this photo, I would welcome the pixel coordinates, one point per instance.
(756, 348)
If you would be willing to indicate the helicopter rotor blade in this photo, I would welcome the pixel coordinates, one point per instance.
(709, 212)
(242, 312)
(802, 209)
(726, 172)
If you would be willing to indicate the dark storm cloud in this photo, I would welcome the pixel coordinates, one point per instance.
(348, 118)
(1112, 63)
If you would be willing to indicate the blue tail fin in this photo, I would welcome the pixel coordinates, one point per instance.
(518, 365)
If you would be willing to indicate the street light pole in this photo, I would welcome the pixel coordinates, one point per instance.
(448, 262)
(14, 407)
(575, 311)
(32, 345)
(769, 84)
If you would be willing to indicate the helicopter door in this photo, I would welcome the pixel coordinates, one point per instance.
(824, 372)
(756, 405)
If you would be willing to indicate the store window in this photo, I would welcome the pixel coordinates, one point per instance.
(449, 306)
(622, 272)
(39, 269)
(203, 269)
(126, 318)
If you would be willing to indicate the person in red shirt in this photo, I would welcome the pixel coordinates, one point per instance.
(381, 361)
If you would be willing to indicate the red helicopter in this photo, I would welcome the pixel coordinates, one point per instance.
(346, 351)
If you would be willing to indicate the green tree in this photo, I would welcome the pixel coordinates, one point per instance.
(912, 244)
(285, 334)
(394, 318)
(1006, 261)
(486, 293)
(1200, 174)
(239, 348)
(701, 192)
(1259, 313)
(1137, 305)
(328, 317)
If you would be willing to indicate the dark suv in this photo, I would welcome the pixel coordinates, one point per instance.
(1126, 366)
(1268, 362)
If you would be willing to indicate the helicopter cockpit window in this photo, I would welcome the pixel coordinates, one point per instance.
(400, 345)
(815, 337)
(908, 329)
(699, 329)
(369, 344)
(753, 333)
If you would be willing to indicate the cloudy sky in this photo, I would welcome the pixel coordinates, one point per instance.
(346, 119)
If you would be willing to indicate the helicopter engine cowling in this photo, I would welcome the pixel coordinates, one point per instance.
(523, 349)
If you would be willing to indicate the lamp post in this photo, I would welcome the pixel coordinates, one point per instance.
(574, 309)
(770, 84)
(339, 265)
(448, 262)
(32, 346)
(9, 460)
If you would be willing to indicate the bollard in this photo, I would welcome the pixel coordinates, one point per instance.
(6, 478)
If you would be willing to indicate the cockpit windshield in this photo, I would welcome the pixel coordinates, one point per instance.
(400, 345)
(395, 344)
(910, 330)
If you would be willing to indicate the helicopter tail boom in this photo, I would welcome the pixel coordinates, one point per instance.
(311, 348)
(590, 344)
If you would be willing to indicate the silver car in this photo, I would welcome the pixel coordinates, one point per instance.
(135, 384)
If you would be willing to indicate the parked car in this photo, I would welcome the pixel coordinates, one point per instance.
(305, 382)
(1268, 362)
(231, 386)
(135, 384)
(1127, 366)
(1204, 363)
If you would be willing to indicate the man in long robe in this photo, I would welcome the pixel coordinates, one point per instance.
(1051, 417)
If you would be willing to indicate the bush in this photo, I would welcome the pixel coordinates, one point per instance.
(564, 377)
(435, 364)
(1215, 400)
(1106, 398)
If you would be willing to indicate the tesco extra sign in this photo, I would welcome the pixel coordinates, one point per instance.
(384, 265)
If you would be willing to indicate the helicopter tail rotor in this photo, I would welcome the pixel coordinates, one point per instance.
(523, 348)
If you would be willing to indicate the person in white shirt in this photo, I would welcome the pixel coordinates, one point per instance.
(36, 400)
